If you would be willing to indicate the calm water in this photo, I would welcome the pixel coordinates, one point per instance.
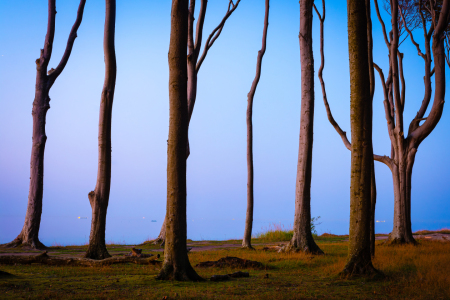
(70, 230)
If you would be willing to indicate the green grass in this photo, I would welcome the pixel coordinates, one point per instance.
(412, 273)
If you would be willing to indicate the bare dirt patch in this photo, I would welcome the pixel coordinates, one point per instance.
(233, 262)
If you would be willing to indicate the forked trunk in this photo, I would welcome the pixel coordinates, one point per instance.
(99, 198)
(176, 264)
(246, 241)
(359, 256)
(302, 239)
(29, 236)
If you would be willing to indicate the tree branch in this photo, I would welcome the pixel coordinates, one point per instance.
(386, 40)
(338, 129)
(411, 35)
(73, 34)
(216, 32)
(199, 28)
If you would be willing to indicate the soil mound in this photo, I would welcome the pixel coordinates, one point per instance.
(328, 234)
(230, 261)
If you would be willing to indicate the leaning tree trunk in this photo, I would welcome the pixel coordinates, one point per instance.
(176, 262)
(99, 198)
(29, 235)
(302, 239)
(359, 257)
(246, 241)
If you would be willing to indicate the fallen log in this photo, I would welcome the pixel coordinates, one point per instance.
(45, 259)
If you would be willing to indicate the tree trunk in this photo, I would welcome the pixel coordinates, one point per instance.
(302, 239)
(99, 198)
(29, 236)
(359, 257)
(246, 241)
(176, 262)
(373, 201)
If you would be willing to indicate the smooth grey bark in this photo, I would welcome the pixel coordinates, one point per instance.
(302, 239)
(29, 235)
(195, 61)
(404, 149)
(99, 198)
(359, 261)
(176, 264)
(246, 241)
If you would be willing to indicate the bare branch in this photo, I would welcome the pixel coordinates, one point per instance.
(199, 28)
(411, 35)
(338, 129)
(402, 80)
(382, 24)
(216, 32)
(46, 53)
(70, 41)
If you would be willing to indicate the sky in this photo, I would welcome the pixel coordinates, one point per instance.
(216, 168)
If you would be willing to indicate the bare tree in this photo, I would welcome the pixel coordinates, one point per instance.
(404, 149)
(195, 61)
(44, 81)
(333, 122)
(359, 257)
(99, 198)
(246, 241)
(176, 262)
(302, 239)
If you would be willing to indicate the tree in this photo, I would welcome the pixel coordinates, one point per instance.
(44, 81)
(333, 122)
(99, 198)
(176, 262)
(359, 257)
(246, 241)
(404, 149)
(195, 61)
(302, 239)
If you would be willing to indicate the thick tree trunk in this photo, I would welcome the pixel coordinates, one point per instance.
(246, 241)
(359, 257)
(99, 198)
(302, 239)
(401, 174)
(176, 262)
(373, 201)
(29, 236)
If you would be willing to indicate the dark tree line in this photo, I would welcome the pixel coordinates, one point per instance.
(432, 16)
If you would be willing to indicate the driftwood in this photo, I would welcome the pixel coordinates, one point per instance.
(230, 261)
(44, 259)
(229, 276)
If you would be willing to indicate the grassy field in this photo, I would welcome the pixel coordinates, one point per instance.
(421, 272)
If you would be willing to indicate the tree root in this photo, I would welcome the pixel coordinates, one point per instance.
(238, 274)
(44, 259)
(307, 249)
(168, 272)
(358, 269)
(399, 241)
(5, 274)
(18, 242)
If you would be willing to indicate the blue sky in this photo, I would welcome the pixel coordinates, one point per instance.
(217, 164)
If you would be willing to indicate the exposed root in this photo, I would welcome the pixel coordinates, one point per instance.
(18, 242)
(358, 269)
(307, 249)
(399, 241)
(5, 274)
(238, 274)
(168, 272)
(45, 259)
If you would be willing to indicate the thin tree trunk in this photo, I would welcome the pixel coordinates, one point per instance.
(29, 235)
(99, 198)
(302, 239)
(176, 262)
(193, 64)
(246, 241)
(359, 257)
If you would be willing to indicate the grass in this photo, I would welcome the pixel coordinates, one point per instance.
(412, 272)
